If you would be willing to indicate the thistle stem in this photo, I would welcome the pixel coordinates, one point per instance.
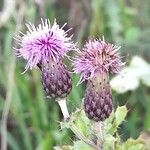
(63, 107)
(99, 133)
(82, 137)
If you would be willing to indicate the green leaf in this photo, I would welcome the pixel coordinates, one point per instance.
(120, 115)
(109, 142)
(131, 144)
(82, 123)
(63, 147)
(79, 145)
(115, 119)
(79, 119)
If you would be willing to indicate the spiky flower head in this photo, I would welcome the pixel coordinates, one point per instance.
(94, 64)
(43, 43)
(45, 46)
(97, 56)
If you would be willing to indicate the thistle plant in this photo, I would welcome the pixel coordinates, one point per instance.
(44, 47)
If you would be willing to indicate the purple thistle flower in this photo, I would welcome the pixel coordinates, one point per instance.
(43, 43)
(97, 57)
(45, 46)
(94, 64)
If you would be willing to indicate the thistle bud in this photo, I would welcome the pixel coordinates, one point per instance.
(98, 98)
(56, 80)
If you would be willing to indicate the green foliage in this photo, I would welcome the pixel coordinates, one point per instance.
(33, 121)
(108, 133)
(116, 119)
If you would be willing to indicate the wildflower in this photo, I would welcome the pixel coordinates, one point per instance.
(45, 46)
(94, 64)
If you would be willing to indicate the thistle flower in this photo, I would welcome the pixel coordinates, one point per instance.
(45, 46)
(94, 64)
(43, 43)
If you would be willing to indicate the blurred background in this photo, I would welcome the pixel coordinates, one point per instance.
(30, 120)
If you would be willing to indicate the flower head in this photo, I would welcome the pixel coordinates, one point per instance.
(97, 57)
(56, 80)
(43, 43)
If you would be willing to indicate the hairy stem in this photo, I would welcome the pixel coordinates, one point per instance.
(76, 131)
(97, 128)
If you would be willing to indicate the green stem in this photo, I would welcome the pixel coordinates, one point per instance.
(82, 137)
(97, 129)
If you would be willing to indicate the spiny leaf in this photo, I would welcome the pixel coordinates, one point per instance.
(120, 115)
